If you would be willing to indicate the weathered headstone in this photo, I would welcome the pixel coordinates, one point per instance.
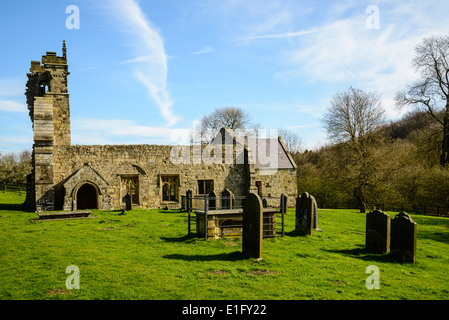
(212, 200)
(189, 200)
(403, 238)
(264, 202)
(315, 214)
(304, 214)
(283, 203)
(226, 199)
(377, 239)
(252, 226)
(128, 204)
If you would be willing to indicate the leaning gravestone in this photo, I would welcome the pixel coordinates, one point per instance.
(403, 238)
(304, 214)
(252, 226)
(377, 232)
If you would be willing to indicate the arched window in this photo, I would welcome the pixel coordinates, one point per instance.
(43, 88)
(170, 188)
(130, 185)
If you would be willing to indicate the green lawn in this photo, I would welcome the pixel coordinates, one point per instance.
(146, 254)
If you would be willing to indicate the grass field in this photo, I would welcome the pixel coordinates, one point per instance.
(146, 254)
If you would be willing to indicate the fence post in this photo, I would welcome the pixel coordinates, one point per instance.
(206, 231)
(189, 207)
(283, 209)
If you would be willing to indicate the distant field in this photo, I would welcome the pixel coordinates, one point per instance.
(146, 254)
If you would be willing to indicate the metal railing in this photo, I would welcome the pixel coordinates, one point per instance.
(218, 217)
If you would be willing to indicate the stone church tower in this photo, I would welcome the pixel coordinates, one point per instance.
(48, 103)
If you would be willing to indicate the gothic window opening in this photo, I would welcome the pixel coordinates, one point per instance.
(205, 186)
(43, 88)
(170, 188)
(130, 185)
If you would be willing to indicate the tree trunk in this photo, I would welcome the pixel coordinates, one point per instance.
(444, 161)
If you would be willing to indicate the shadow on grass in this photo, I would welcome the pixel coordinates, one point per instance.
(233, 256)
(294, 233)
(361, 253)
(11, 207)
(186, 238)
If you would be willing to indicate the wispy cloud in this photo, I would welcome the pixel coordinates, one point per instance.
(113, 131)
(282, 35)
(148, 47)
(10, 88)
(204, 50)
(12, 106)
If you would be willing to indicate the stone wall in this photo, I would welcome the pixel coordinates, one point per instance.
(109, 163)
(276, 182)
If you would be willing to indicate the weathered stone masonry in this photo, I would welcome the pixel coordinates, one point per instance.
(72, 177)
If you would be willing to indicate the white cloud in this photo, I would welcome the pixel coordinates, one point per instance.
(98, 131)
(148, 46)
(12, 106)
(204, 50)
(344, 51)
(282, 35)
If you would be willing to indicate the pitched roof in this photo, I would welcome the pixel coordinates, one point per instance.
(267, 153)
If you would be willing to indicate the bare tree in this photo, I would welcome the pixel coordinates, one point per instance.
(431, 91)
(229, 117)
(292, 141)
(353, 120)
(353, 116)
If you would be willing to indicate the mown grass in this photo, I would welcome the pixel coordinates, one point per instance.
(147, 254)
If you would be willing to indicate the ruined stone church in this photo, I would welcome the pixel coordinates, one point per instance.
(74, 177)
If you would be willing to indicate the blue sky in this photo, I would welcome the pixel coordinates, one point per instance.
(143, 71)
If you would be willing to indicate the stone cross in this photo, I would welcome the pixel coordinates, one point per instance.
(252, 226)
(304, 214)
(403, 238)
(377, 239)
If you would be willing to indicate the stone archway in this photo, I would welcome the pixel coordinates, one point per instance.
(76, 181)
(86, 197)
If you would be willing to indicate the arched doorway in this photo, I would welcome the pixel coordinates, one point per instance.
(86, 197)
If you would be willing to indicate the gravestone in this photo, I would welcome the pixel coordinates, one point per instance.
(189, 200)
(283, 203)
(377, 239)
(226, 199)
(315, 214)
(252, 226)
(264, 202)
(304, 214)
(403, 238)
(212, 201)
(128, 204)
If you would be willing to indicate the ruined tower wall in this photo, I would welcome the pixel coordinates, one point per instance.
(48, 104)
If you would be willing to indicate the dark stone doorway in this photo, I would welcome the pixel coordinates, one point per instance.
(86, 197)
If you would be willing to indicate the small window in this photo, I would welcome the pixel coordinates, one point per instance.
(205, 186)
(170, 188)
(130, 184)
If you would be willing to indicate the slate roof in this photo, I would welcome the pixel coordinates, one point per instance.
(267, 153)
